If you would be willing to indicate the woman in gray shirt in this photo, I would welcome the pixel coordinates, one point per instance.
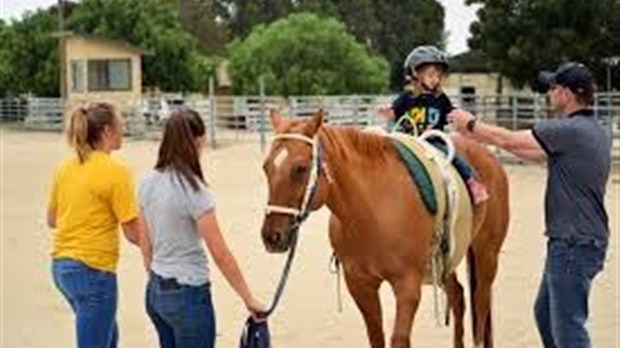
(178, 210)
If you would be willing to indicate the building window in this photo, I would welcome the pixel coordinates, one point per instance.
(109, 75)
(468, 98)
(78, 73)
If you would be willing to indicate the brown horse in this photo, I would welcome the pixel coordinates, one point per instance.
(379, 228)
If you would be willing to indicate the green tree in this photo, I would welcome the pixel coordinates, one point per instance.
(4, 58)
(198, 17)
(521, 37)
(389, 27)
(29, 55)
(242, 15)
(172, 62)
(152, 25)
(305, 54)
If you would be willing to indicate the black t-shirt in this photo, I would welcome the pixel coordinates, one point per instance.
(425, 110)
(578, 159)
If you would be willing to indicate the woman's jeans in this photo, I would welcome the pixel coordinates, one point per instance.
(92, 295)
(182, 314)
(561, 308)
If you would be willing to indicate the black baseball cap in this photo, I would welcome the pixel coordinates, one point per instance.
(573, 75)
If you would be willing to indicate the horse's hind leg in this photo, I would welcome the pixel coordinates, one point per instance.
(488, 332)
(483, 268)
(365, 293)
(408, 292)
(454, 290)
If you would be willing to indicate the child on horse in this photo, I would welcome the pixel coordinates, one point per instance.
(423, 106)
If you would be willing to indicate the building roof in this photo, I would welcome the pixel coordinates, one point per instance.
(470, 62)
(107, 41)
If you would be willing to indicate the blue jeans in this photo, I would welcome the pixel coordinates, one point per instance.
(182, 314)
(561, 308)
(92, 295)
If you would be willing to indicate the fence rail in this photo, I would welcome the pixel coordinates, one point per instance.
(244, 118)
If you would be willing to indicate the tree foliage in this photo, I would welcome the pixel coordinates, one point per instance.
(29, 55)
(391, 28)
(172, 61)
(198, 17)
(305, 54)
(521, 37)
(176, 35)
(152, 25)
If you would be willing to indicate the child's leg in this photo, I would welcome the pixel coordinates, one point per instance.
(462, 167)
(477, 189)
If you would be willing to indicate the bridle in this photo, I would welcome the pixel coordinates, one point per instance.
(300, 214)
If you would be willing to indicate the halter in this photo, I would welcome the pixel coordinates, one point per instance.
(301, 213)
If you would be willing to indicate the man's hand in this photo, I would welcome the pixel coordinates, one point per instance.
(460, 118)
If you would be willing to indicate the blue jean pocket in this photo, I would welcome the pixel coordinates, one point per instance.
(168, 301)
(72, 279)
(582, 259)
(589, 259)
(86, 289)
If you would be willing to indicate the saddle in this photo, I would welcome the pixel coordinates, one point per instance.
(446, 197)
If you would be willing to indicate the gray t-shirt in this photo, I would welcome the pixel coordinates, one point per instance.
(171, 210)
(579, 156)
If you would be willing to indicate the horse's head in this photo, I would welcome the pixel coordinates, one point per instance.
(293, 170)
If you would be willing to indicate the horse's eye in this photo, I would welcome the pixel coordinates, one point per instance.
(299, 171)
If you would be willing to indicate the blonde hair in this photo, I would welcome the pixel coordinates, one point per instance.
(85, 126)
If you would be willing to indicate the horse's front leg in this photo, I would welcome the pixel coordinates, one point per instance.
(365, 292)
(407, 291)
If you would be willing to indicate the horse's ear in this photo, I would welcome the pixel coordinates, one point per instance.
(275, 117)
(316, 122)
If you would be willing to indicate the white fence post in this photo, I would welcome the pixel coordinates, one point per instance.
(261, 120)
(212, 112)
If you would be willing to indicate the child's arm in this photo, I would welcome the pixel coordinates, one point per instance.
(446, 107)
(386, 111)
(397, 109)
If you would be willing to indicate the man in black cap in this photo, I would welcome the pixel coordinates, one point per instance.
(578, 154)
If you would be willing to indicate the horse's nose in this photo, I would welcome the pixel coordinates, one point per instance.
(275, 238)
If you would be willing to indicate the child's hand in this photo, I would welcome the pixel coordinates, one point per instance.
(385, 111)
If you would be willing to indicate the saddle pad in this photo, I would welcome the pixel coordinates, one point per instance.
(419, 175)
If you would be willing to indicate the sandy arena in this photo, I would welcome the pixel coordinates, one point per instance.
(35, 316)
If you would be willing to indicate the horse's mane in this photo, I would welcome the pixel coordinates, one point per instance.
(348, 143)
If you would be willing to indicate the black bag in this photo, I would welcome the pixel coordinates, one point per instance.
(255, 334)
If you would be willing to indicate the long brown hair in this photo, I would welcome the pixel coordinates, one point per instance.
(178, 149)
(85, 126)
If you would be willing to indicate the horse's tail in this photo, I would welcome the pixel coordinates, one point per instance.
(473, 283)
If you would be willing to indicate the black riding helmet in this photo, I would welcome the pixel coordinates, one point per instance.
(423, 55)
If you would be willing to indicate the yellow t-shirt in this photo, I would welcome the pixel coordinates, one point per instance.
(90, 200)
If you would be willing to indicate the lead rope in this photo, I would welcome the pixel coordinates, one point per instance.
(285, 273)
(334, 268)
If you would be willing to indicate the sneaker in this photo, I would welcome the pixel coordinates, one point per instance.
(478, 191)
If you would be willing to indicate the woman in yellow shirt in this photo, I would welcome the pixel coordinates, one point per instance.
(92, 193)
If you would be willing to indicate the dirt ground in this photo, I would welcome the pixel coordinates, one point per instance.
(35, 316)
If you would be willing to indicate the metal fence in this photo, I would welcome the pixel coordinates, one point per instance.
(233, 119)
